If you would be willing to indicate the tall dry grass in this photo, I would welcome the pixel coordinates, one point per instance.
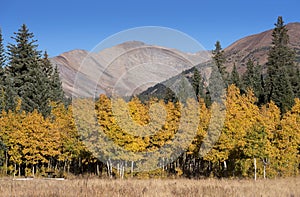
(153, 187)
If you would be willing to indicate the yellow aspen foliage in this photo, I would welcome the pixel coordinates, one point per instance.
(41, 142)
(170, 126)
(189, 125)
(204, 119)
(130, 125)
(13, 135)
(288, 142)
(241, 115)
(270, 118)
(64, 126)
(270, 121)
(138, 111)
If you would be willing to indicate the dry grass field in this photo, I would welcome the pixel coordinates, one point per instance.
(153, 187)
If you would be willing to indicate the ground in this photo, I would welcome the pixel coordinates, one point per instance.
(151, 187)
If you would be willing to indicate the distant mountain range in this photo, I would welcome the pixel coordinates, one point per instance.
(113, 62)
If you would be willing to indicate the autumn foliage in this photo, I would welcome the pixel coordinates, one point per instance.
(33, 144)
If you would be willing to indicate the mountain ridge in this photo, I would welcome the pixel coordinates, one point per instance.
(111, 63)
(254, 46)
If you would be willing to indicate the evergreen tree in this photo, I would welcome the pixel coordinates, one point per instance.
(219, 60)
(23, 57)
(9, 94)
(55, 90)
(31, 77)
(2, 52)
(281, 65)
(295, 82)
(235, 77)
(216, 88)
(197, 83)
(2, 94)
(253, 79)
(2, 64)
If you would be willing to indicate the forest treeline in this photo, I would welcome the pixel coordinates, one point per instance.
(260, 136)
(33, 144)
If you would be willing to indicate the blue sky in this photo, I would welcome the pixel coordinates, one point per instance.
(62, 26)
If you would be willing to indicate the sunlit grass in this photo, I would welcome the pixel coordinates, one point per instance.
(151, 187)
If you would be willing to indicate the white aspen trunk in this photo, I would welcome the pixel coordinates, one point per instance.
(97, 170)
(15, 165)
(264, 171)
(68, 167)
(33, 170)
(111, 172)
(119, 169)
(225, 165)
(65, 163)
(6, 162)
(131, 168)
(123, 172)
(108, 169)
(254, 160)
(19, 170)
(265, 161)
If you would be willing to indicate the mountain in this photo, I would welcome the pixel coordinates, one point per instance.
(121, 68)
(257, 46)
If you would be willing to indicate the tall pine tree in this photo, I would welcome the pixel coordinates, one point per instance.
(197, 83)
(55, 90)
(2, 52)
(295, 82)
(281, 65)
(235, 77)
(253, 79)
(30, 76)
(219, 60)
(2, 64)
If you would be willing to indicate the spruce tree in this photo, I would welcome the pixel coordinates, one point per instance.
(197, 83)
(217, 88)
(31, 77)
(2, 64)
(295, 82)
(253, 79)
(235, 77)
(2, 52)
(281, 65)
(23, 56)
(55, 90)
(219, 60)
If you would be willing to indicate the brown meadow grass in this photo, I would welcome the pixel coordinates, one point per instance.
(152, 187)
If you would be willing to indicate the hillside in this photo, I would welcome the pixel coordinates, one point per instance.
(257, 46)
(123, 66)
(114, 62)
